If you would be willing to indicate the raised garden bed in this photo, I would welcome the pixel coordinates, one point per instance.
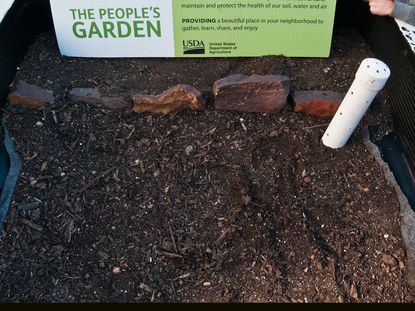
(196, 206)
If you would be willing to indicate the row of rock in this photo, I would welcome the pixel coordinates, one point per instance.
(265, 94)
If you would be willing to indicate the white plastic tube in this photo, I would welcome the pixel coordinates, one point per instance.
(371, 77)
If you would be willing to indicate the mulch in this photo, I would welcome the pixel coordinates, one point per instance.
(215, 206)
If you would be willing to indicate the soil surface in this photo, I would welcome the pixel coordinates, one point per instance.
(196, 206)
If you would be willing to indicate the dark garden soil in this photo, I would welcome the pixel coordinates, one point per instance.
(196, 206)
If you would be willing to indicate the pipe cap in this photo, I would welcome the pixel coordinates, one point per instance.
(373, 73)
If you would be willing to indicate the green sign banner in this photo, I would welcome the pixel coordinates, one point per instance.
(194, 28)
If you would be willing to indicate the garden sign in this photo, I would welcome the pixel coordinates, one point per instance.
(193, 28)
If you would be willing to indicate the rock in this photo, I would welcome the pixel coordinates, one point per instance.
(31, 95)
(266, 94)
(317, 103)
(389, 260)
(86, 95)
(116, 270)
(353, 292)
(115, 103)
(92, 96)
(174, 99)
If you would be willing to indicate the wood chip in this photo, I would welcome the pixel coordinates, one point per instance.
(31, 224)
(171, 255)
(29, 206)
(146, 288)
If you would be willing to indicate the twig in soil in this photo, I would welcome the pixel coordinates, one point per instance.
(16, 274)
(316, 126)
(256, 204)
(243, 124)
(319, 188)
(92, 81)
(168, 254)
(15, 240)
(181, 277)
(31, 224)
(173, 240)
(128, 136)
(206, 145)
(55, 118)
(146, 288)
(45, 117)
(11, 218)
(62, 108)
(72, 146)
(174, 290)
(95, 180)
(70, 213)
(29, 206)
(223, 236)
(198, 282)
(72, 277)
(69, 231)
(31, 157)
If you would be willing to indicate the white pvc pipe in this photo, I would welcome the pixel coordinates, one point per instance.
(371, 77)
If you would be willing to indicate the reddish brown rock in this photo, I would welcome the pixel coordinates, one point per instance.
(317, 103)
(174, 99)
(86, 95)
(255, 93)
(92, 96)
(31, 95)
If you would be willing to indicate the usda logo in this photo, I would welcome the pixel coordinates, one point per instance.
(192, 47)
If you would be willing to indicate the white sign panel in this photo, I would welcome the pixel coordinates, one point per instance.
(193, 28)
(108, 28)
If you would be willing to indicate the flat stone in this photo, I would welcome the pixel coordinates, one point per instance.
(31, 95)
(266, 94)
(317, 103)
(115, 103)
(86, 95)
(92, 96)
(174, 99)
(389, 260)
